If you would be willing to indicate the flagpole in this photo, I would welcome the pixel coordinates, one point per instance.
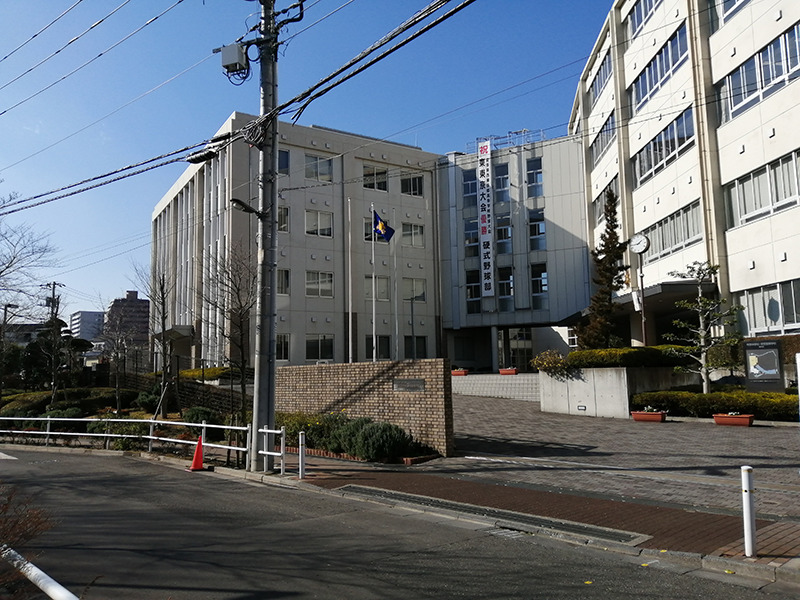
(374, 339)
(396, 306)
(349, 282)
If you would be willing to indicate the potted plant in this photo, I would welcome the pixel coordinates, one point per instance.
(733, 418)
(458, 372)
(649, 414)
(508, 371)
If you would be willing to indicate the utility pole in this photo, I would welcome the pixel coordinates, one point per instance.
(55, 333)
(266, 303)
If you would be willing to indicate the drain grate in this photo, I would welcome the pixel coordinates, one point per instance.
(503, 518)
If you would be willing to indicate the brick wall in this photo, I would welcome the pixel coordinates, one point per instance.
(377, 390)
(415, 395)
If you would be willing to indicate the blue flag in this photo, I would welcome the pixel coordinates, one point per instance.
(382, 228)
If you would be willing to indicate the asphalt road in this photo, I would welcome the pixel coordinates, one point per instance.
(131, 529)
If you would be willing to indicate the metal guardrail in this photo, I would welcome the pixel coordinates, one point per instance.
(35, 575)
(48, 432)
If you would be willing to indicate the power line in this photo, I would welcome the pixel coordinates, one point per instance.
(42, 30)
(90, 61)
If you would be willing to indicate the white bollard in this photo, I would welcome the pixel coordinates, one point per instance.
(301, 456)
(749, 512)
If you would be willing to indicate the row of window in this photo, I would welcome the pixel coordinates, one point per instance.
(639, 15)
(503, 234)
(319, 168)
(601, 78)
(320, 223)
(660, 69)
(679, 230)
(761, 75)
(771, 309)
(505, 289)
(764, 191)
(501, 189)
(603, 140)
(319, 284)
(671, 142)
(319, 346)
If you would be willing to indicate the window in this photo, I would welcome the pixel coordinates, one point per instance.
(639, 15)
(762, 74)
(471, 238)
(415, 347)
(382, 348)
(599, 203)
(414, 288)
(319, 346)
(539, 286)
(283, 162)
(381, 287)
(723, 10)
(572, 337)
(319, 168)
(505, 289)
(674, 232)
(470, 191)
(473, 285)
(413, 235)
(375, 178)
(534, 174)
(763, 191)
(536, 229)
(283, 219)
(319, 223)
(319, 284)
(671, 56)
(283, 282)
(501, 192)
(282, 346)
(411, 185)
(601, 78)
(603, 140)
(503, 232)
(670, 143)
(773, 309)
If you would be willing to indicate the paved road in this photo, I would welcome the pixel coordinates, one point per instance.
(680, 463)
(128, 528)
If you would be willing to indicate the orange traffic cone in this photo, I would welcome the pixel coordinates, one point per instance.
(197, 461)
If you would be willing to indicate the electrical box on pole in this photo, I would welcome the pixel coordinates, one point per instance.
(234, 58)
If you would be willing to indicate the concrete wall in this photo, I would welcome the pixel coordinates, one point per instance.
(605, 392)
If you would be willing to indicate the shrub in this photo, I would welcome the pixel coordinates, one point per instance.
(147, 402)
(768, 406)
(321, 430)
(645, 356)
(551, 362)
(134, 433)
(382, 441)
(210, 373)
(198, 414)
(344, 438)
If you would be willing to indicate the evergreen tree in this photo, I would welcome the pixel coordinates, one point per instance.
(609, 276)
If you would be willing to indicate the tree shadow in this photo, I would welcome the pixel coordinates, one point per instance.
(522, 448)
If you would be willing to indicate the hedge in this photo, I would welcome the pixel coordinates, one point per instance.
(767, 406)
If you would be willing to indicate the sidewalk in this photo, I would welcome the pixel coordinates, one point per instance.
(665, 490)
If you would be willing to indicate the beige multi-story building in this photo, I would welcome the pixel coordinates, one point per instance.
(329, 183)
(685, 109)
(515, 264)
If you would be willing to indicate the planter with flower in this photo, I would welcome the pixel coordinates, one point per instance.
(649, 414)
(458, 372)
(733, 418)
(508, 371)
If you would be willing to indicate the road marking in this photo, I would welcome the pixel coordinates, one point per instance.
(7, 457)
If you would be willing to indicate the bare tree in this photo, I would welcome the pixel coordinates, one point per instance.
(117, 338)
(232, 291)
(157, 287)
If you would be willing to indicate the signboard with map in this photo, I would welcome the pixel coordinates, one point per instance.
(763, 365)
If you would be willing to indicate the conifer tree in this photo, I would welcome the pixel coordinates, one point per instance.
(609, 276)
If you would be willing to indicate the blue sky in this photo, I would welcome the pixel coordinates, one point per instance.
(497, 66)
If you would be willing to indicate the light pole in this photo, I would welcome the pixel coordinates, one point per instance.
(3, 346)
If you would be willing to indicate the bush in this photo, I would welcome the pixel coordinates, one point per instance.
(382, 441)
(198, 414)
(644, 356)
(147, 402)
(768, 406)
(344, 438)
(551, 362)
(210, 373)
(321, 430)
(137, 431)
